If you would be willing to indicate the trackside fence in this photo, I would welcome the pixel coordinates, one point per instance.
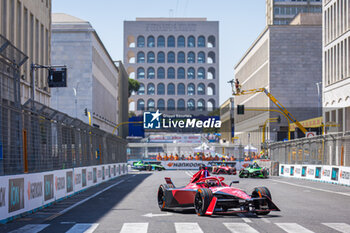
(329, 149)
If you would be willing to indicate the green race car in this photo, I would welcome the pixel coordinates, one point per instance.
(147, 166)
(254, 170)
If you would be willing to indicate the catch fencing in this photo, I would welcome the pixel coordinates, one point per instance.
(36, 138)
(329, 149)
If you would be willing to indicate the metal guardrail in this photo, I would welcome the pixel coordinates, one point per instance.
(329, 149)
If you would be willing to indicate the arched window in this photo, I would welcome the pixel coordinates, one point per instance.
(171, 89)
(140, 104)
(201, 105)
(161, 104)
(181, 57)
(211, 57)
(161, 41)
(150, 89)
(140, 57)
(180, 73)
(150, 73)
(201, 41)
(160, 73)
(171, 41)
(211, 105)
(191, 42)
(151, 104)
(171, 104)
(191, 89)
(181, 89)
(160, 89)
(211, 89)
(211, 73)
(181, 105)
(181, 41)
(140, 41)
(171, 73)
(141, 90)
(191, 57)
(151, 42)
(161, 57)
(201, 73)
(191, 73)
(150, 57)
(171, 57)
(211, 41)
(201, 89)
(201, 57)
(191, 104)
(140, 73)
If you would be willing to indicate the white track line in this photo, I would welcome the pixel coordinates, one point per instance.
(247, 220)
(137, 227)
(85, 200)
(293, 228)
(83, 228)
(318, 189)
(342, 227)
(240, 228)
(31, 228)
(187, 227)
(189, 174)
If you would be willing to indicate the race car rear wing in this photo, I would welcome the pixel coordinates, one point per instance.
(169, 182)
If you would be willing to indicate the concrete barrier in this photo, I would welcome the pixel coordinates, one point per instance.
(322, 173)
(24, 193)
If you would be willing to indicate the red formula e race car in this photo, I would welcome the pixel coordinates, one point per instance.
(225, 168)
(210, 195)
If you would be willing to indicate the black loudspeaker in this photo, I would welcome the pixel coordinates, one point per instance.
(57, 77)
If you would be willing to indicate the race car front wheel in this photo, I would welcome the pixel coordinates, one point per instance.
(202, 200)
(262, 192)
(161, 196)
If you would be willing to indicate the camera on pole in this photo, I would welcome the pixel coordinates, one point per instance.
(57, 76)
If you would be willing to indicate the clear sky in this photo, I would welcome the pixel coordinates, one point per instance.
(240, 23)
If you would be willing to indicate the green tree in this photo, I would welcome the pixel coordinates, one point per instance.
(134, 86)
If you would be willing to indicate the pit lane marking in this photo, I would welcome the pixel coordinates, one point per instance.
(31, 228)
(318, 189)
(83, 228)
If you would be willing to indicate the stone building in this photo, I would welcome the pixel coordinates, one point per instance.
(176, 60)
(287, 61)
(27, 24)
(282, 12)
(336, 63)
(93, 77)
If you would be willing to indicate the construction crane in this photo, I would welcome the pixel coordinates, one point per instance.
(239, 92)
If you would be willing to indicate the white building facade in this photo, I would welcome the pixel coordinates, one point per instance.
(336, 63)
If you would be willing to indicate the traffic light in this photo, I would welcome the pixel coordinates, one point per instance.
(85, 111)
(57, 77)
(279, 119)
(240, 109)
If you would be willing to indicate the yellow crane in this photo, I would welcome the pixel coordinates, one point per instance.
(239, 92)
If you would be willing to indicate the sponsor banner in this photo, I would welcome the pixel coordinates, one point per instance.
(22, 193)
(182, 165)
(175, 139)
(326, 173)
(311, 171)
(297, 171)
(344, 175)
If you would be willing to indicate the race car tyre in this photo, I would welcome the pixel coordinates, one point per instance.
(161, 196)
(264, 172)
(149, 168)
(159, 169)
(202, 200)
(260, 192)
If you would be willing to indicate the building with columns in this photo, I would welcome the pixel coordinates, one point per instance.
(336, 63)
(176, 60)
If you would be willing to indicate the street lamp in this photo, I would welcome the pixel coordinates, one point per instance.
(75, 90)
(319, 97)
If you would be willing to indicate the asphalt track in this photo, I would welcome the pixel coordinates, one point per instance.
(128, 204)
